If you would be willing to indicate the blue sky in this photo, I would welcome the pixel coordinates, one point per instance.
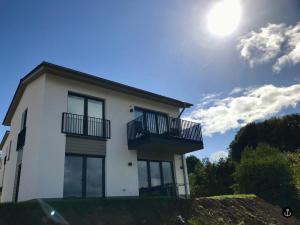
(164, 47)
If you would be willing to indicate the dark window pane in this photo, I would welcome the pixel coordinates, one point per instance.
(73, 176)
(95, 113)
(143, 175)
(76, 110)
(167, 172)
(75, 105)
(94, 175)
(155, 174)
(151, 122)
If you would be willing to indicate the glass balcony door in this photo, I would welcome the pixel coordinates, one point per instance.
(76, 116)
(156, 178)
(83, 176)
(85, 115)
(154, 122)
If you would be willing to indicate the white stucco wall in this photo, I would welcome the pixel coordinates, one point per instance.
(1, 169)
(121, 179)
(44, 152)
(33, 99)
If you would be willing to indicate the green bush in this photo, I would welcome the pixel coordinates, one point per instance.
(265, 171)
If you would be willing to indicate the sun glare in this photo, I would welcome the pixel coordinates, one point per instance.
(224, 17)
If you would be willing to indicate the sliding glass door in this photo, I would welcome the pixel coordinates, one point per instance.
(156, 178)
(83, 176)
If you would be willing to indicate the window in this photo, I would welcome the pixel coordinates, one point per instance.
(73, 176)
(83, 176)
(167, 172)
(155, 174)
(8, 150)
(85, 116)
(19, 168)
(143, 174)
(156, 122)
(24, 120)
(22, 133)
(156, 178)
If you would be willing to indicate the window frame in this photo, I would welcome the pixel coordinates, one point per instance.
(85, 104)
(84, 173)
(24, 119)
(160, 169)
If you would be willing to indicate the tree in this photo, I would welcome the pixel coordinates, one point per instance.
(212, 178)
(191, 163)
(282, 133)
(265, 171)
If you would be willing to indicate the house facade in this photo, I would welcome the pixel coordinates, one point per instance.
(76, 135)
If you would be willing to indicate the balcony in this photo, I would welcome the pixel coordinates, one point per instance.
(85, 126)
(154, 132)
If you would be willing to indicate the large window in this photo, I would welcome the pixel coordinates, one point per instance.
(156, 178)
(84, 176)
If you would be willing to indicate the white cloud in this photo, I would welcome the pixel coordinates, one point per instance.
(208, 98)
(224, 114)
(216, 156)
(236, 90)
(277, 42)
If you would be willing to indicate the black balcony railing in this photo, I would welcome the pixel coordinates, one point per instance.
(85, 126)
(21, 139)
(160, 125)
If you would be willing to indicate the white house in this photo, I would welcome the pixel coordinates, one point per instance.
(77, 135)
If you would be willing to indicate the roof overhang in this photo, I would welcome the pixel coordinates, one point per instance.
(4, 139)
(46, 67)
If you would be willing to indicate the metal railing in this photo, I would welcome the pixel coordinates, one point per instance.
(150, 123)
(85, 125)
(21, 139)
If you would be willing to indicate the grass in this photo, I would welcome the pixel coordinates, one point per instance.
(215, 210)
(236, 196)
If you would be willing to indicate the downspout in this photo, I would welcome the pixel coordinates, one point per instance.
(184, 177)
(182, 160)
(184, 107)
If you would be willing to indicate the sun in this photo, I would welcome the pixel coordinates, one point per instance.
(224, 17)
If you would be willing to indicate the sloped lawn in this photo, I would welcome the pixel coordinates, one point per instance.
(240, 209)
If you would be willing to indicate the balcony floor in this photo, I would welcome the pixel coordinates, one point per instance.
(170, 144)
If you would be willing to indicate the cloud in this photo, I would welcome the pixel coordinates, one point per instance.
(275, 42)
(208, 98)
(224, 114)
(216, 156)
(236, 90)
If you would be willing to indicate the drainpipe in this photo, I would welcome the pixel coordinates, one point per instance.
(182, 160)
(184, 177)
(184, 107)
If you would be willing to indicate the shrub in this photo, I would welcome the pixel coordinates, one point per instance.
(265, 171)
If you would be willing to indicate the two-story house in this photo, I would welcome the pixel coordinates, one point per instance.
(77, 135)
